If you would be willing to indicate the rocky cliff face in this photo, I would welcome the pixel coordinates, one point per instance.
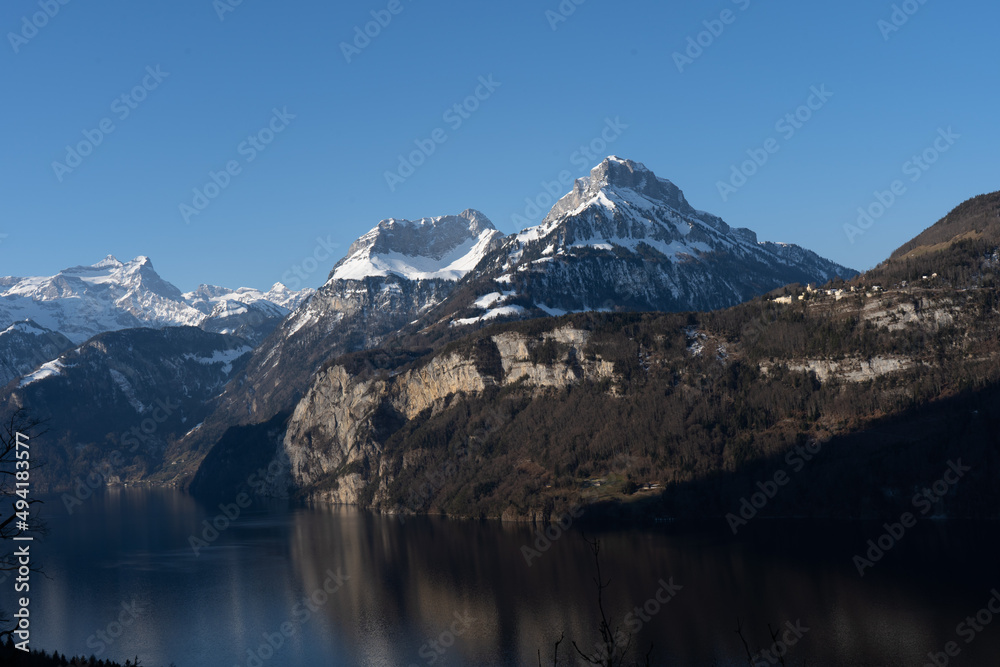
(335, 437)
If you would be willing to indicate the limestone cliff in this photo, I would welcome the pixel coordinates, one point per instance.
(336, 435)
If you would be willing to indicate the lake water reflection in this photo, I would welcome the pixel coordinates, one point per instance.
(432, 591)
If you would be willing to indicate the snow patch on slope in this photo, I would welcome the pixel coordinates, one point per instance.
(492, 314)
(127, 389)
(225, 357)
(51, 369)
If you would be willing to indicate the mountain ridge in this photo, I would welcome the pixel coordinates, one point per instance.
(625, 239)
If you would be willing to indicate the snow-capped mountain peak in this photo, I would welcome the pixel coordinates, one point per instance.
(108, 262)
(628, 181)
(286, 298)
(445, 248)
(625, 238)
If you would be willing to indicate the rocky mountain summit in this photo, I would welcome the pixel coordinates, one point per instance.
(624, 239)
(444, 248)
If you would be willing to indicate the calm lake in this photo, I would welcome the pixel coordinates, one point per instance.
(125, 580)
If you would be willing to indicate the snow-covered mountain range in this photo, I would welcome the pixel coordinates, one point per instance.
(623, 239)
(83, 301)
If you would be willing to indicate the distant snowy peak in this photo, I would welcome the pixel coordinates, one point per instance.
(78, 280)
(136, 275)
(211, 299)
(289, 299)
(83, 301)
(109, 262)
(445, 248)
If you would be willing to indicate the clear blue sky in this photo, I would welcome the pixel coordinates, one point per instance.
(324, 174)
